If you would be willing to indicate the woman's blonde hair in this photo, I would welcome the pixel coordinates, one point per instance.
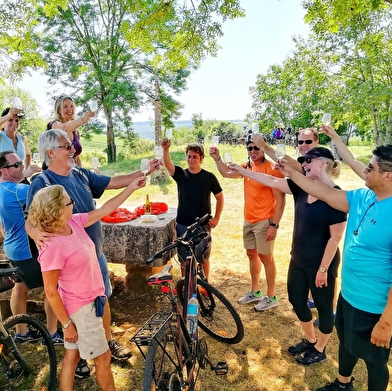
(47, 208)
(333, 168)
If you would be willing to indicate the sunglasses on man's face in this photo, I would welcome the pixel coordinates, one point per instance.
(68, 147)
(253, 148)
(16, 165)
(300, 142)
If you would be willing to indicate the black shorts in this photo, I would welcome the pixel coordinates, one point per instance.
(30, 272)
(354, 329)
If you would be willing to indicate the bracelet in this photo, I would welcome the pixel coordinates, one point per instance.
(274, 225)
(217, 160)
(65, 325)
(82, 120)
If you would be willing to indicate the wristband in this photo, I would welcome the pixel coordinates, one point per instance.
(82, 120)
(66, 324)
(274, 225)
(217, 160)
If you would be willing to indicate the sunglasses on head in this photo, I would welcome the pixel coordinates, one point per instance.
(253, 148)
(16, 165)
(300, 142)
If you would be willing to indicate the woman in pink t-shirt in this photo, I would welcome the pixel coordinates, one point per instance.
(72, 277)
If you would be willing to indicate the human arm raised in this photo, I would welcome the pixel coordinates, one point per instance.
(357, 166)
(110, 205)
(265, 179)
(336, 233)
(166, 144)
(70, 126)
(120, 181)
(221, 166)
(12, 111)
(267, 149)
(333, 197)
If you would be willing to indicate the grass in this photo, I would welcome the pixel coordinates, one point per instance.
(260, 362)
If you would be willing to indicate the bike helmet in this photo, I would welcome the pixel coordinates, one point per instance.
(202, 249)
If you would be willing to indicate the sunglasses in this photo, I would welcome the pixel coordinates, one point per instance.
(68, 147)
(16, 165)
(300, 142)
(71, 202)
(253, 148)
(308, 160)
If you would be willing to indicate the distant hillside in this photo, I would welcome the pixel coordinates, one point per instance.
(146, 129)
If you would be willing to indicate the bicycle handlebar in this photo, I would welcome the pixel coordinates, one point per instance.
(189, 239)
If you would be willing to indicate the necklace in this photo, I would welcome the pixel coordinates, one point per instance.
(364, 215)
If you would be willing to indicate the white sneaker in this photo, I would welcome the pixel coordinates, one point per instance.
(249, 298)
(266, 303)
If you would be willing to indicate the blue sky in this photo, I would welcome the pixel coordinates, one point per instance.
(219, 89)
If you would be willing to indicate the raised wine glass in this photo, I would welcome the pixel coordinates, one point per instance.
(215, 141)
(36, 157)
(227, 159)
(145, 166)
(95, 162)
(17, 103)
(93, 105)
(158, 152)
(326, 120)
(280, 151)
(169, 133)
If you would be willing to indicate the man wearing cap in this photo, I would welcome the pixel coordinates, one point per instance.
(263, 210)
(364, 312)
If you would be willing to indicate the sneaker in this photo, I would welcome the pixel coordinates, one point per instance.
(82, 370)
(30, 336)
(250, 297)
(57, 338)
(118, 352)
(301, 347)
(337, 386)
(266, 303)
(311, 304)
(312, 356)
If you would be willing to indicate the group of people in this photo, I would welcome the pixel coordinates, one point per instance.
(61, 210)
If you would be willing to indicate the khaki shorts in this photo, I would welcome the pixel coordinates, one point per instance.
(91, 341)
(254, 237)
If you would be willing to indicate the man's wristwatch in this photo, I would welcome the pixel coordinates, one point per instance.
(274, 225)
(65, 325)
(323, 269)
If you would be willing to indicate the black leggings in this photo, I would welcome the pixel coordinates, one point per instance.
(299, 281)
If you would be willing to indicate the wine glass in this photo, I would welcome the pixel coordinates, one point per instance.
(93, 105)
(326, 120)
(158, 152)
(145, 166)
(227, 159)
(36, 157)
(169, 133)
(17, 103)
(95, 162)
(280, 151)
(215, 141)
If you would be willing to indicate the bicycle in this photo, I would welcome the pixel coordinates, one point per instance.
(29, 365)
(173, 359)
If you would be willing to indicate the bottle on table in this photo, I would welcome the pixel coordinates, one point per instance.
(192, 312)
(147, 206)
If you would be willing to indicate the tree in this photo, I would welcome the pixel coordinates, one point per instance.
(113, 51)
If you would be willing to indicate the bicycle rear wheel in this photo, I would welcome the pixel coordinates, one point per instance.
(28, 365)
(217, 317)
(163, 371)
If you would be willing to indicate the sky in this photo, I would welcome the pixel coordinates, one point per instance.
(219, 89)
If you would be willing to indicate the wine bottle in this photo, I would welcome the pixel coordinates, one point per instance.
(147, 206)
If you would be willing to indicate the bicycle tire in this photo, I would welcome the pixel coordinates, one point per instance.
(159, 369)
(40, 357)
(217, 317)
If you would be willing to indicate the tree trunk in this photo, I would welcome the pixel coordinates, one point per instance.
(157, 114)
(110, 141)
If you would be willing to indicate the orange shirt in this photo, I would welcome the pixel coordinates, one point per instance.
(260, 202)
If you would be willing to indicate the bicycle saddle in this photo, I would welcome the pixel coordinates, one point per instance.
(161, 277)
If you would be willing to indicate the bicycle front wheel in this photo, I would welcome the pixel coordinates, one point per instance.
(163, 370)
(29, 364)
(217, 317)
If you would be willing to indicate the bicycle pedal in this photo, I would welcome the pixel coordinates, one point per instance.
(221, 368)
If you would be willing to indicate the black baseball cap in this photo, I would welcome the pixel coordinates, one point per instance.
(316, 152)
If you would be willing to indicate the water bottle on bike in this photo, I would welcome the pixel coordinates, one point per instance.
(193, 310)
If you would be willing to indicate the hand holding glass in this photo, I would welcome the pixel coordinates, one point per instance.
(326, 118)
(280, 151)
(93, 105)
(145, 166)
(36, 157)
(227, 159)
(17, 103)
(158, 152)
